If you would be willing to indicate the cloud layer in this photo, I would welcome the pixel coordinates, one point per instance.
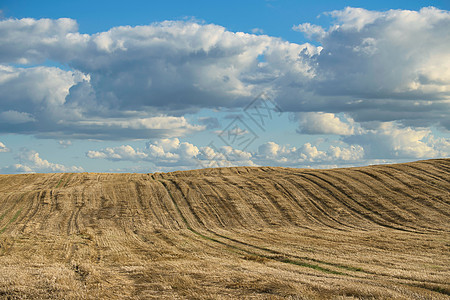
(384, 142)
(375, 66)
(377, 82)
(384, 66)
(119, 81)
(170, 154)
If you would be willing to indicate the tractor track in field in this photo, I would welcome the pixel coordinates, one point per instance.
(280, 256)
(379, 231)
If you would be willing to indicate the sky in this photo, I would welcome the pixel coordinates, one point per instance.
(158, 86)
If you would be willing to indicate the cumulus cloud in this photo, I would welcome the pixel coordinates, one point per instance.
(171, 154)
(356, 18)
(389, 140)
(118, 153)
(168, 68)
(33, 41)
(390, 68)
(273, 153)
(381, 142)
(40, 100)
(32, 159)
(31, 162)
(162, 152)
(441, 145)
(16, 169)
(351, 153)
(3, 148)
(165, 59)
(324, 123)
(383, 66)
(312, 31)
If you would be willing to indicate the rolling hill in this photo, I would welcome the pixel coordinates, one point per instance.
(244, 232)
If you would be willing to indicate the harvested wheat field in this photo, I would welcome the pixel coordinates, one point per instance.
(228, 233)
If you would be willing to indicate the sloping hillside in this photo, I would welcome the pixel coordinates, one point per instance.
(378, 231)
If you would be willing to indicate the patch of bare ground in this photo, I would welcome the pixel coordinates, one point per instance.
(378, 232)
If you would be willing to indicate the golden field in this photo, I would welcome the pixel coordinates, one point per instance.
(378, 232)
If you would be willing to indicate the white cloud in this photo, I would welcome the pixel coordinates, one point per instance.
(166, 144)
(3, 148)
(382, 66)
(125, 152)
(139, 82)
(236, 155)
(23, 89)
(162, 152)
(33, 41)
(389, 140)
(16, 169)
(310, 153)
(352, 18)
(31, 162)
(43, 101)
(312, 31)
(269, 149)
(31, 159)
(441, 145)
(168, 68)
(171, 154)
(324, 123)
(171, 151)
(274, 154)
(380, 143)
(351, 153)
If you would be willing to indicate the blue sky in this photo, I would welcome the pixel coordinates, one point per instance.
(146, 86)
(275, 17)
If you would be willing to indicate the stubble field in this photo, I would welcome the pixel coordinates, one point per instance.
(229, 233)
